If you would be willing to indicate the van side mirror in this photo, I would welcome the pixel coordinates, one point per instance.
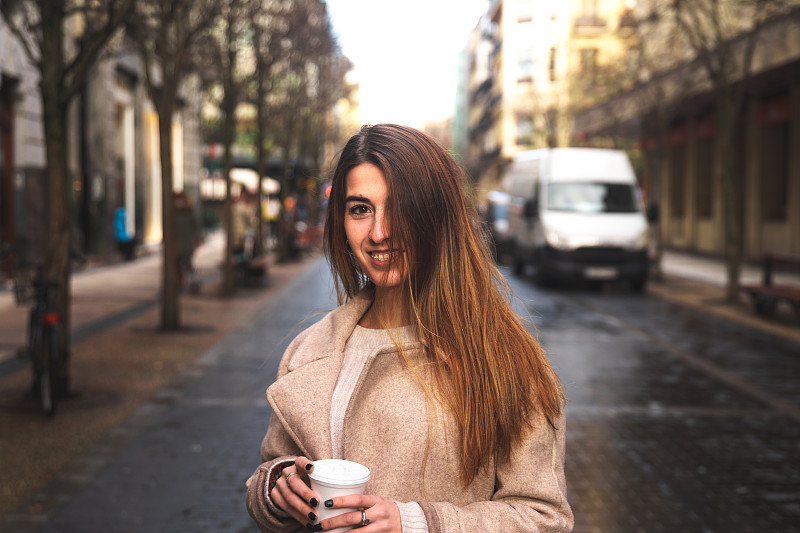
(531, 208)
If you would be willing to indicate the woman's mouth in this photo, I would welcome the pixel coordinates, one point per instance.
(381, 256)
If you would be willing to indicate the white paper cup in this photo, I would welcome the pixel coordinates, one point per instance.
(337, 477)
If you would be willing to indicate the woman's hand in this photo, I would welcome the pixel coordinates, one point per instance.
(381, 515)
(292, 492)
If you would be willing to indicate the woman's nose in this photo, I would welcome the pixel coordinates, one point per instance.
(380, 228)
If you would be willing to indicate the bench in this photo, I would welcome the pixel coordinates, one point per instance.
(767, 295)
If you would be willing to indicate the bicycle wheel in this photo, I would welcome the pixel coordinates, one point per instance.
(34, 338)
(50, 369)
(35, 342)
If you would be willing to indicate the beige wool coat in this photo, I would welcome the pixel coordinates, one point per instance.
(411, 452)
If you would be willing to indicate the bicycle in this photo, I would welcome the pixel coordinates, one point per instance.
(43, 339)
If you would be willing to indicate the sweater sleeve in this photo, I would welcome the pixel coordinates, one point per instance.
(412, 517)
(530, 494)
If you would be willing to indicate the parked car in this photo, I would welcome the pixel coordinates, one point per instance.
(577, 214)
(497, 224)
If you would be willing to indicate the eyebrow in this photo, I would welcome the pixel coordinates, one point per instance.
(361, 199)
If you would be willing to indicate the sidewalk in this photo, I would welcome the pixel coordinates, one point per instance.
(105, 295)
(699, 282)
(120, 359)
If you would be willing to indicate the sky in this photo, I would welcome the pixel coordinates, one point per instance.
(405, 54)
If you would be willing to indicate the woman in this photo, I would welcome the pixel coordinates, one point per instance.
(423, 373)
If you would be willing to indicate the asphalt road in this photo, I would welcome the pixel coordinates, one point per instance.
(676, 422)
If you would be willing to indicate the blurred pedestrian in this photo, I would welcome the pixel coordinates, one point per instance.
(187, 236)
(242, 222)
(126, 241)
(424, 373)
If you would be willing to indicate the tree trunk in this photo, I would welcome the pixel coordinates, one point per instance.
(258, 246)
(227, 163)
(285, 239)
(726, 177)
(170, 310)
(58, 198)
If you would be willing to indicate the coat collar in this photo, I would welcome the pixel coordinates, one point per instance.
(301, 399)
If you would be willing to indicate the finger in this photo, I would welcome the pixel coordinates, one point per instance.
(344, 520)
(299, 484)
(352, 500)
(285, 495)
(304, 466)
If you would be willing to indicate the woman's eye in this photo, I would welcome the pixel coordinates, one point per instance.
(359, 209)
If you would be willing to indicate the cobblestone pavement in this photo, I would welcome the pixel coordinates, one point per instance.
(676, 422)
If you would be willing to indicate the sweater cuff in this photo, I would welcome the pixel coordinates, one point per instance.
(272, 476)
(412, 517)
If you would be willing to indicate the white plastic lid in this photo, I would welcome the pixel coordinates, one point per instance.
(339, 473)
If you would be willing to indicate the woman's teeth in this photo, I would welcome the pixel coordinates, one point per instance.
(381, 256)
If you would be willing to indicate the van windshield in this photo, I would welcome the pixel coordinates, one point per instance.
(592, 197)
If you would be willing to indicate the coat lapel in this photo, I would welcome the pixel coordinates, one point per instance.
(301, 399)
(302, 402)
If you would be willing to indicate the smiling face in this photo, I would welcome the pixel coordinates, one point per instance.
(366, 225)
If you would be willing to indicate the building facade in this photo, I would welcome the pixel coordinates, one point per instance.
(113, 154)
(530, 64)
(675, 119)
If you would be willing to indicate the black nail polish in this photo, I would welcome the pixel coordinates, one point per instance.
(313, 502)
(328, 503)
(312, 517)
(310, 527)
(317, 527)
(309, 466)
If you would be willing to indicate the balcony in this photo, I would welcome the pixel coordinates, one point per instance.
(589, 25)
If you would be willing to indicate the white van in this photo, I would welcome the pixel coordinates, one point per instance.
(577, 214)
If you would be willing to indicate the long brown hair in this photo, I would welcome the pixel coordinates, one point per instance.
(490, 372)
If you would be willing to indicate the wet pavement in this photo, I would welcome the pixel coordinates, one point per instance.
(677, 421)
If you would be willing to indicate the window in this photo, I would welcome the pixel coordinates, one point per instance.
(592, 197)
(588, 16)
(775, 172)
(524, 130)
(525, 10)
(589, 9)
(525, 65)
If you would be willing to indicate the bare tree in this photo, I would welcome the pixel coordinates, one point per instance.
(723, 35)
(166, 34)
(63, 66)
(270, 37)
(306, 81)
(232, 36)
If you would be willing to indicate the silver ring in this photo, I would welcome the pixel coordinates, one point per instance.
(290, 474)
(364, 519)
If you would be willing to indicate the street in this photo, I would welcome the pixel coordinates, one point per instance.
(676, 422)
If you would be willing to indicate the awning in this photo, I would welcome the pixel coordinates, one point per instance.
(213, 187)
